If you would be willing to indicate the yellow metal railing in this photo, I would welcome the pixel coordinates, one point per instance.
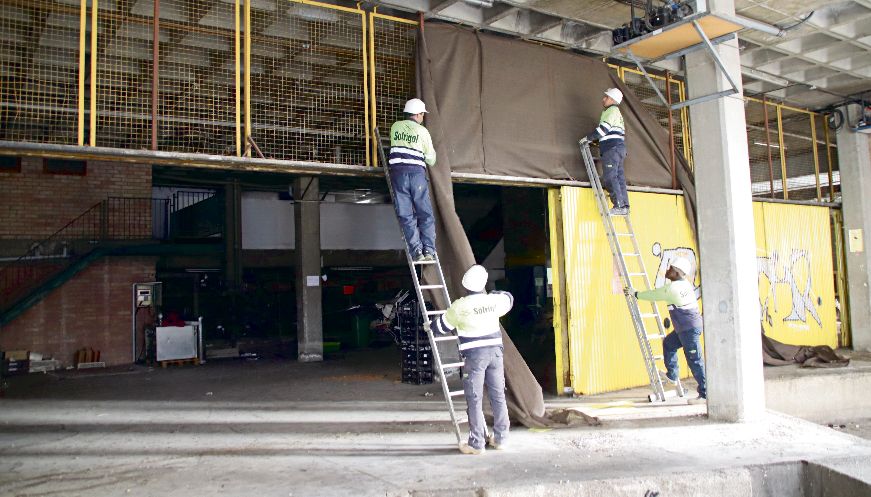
(791, 143)
(304, 80)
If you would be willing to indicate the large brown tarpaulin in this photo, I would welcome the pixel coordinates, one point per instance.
(506, 107)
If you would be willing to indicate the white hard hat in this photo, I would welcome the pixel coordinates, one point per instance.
(615, 94)
(475, 278)
(684, 265)
(414, 106)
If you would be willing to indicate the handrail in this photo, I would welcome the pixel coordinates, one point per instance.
(114, 218)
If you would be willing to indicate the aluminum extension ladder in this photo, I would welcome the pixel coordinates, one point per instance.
(638, 273)
(441, 287)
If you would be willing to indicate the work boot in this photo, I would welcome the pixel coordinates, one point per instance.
(468, 449)
(698, 400)
(491, 441)
(419, 257)
(619, 211)
(429, 256)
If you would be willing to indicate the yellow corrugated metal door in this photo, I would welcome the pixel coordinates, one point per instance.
(794, 261)
(604, 353)
(794, 264)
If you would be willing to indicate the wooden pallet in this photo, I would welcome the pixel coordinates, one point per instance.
(180, 362)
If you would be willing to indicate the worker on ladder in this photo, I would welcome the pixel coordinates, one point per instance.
(411, 151)
(684, 311)
(475, 318)
(612, 148)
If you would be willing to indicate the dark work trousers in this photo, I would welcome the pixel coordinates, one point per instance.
(612, 174)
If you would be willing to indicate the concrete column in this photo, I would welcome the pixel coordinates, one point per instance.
(307, 255)
(854, 160)
(233, 233)
(727, 244)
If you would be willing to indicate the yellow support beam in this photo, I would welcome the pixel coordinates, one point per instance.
(238, 80)
(782, 154)
(372, 102)
(247, 77)
(83, 33)
(829, 160)
(93, 124)
(816, 157)
(369, 125)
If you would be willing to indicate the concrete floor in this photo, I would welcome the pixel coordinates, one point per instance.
(348, 427)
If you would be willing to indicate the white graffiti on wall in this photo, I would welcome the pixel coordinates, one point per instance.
(668, 255)
(798, 266)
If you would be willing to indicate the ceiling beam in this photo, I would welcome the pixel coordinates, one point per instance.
(497, 13)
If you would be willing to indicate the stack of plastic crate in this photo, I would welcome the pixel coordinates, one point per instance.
(416, 349)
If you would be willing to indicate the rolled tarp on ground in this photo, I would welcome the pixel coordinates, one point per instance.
(506, 107)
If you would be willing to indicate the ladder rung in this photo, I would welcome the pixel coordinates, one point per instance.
(430, 287)
(658, 358)
(623, 234)
(433, 313)
(456, 393)
(655, 337)
(648, 315)
(445, 338)
(631, 254)
(422, 262)
(637, 274)
(453, 365)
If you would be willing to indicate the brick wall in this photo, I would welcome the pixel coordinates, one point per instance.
(34, 204)
(90, 310)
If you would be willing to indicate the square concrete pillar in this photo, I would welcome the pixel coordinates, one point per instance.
(854, 161)
(307, 255)
(727, 244)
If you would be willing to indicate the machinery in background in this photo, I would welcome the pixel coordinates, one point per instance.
(652, 18)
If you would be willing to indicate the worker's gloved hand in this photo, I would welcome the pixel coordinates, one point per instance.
(666, 323)
(592, 137)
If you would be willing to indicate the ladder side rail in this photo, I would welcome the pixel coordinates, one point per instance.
(421, 303)
(601, 202)
(617, 252)
(647, 285)
(646, 350)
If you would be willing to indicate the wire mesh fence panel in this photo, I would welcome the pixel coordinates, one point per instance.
(763, 147)
(836, 174)
(679, 126)
(307, 98)
(124, 61)
(798, 147)
(819, 124)
(651, 101)
(39, 59)
(394, 69)
(197, 77)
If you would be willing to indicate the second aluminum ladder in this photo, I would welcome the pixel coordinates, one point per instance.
(427, 314)
(617, 240)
